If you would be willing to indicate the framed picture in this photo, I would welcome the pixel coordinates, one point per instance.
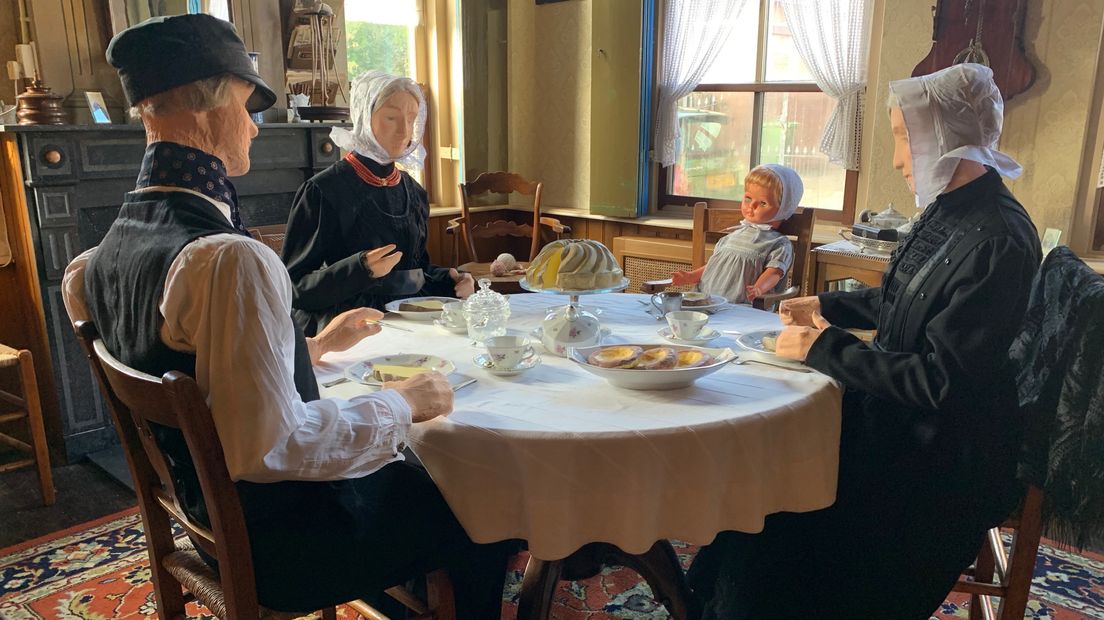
(1050, 239)
(98, 108)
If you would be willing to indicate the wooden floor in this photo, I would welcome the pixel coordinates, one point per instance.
(84, 492)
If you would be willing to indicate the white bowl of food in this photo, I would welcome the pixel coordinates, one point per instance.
(651, 366)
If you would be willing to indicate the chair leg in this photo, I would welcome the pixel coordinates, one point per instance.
(329, 613)
(38, 431)
(983, 573)
(537, 587)
(439, 595)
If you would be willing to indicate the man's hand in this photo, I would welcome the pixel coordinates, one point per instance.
(345, 330)
(795, 341)
(465, 285)
(428, 394)
(799, 311)
(381, 261)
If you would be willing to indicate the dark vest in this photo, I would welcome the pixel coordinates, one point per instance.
(124, 283)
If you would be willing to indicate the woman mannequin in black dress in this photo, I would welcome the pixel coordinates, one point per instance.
(930, 427)
(357, 232)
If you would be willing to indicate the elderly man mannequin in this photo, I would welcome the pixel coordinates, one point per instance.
(930, 424)
(333, 511)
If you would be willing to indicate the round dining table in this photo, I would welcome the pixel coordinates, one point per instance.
(584, 470)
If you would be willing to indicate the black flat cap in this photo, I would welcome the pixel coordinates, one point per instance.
(162, 53)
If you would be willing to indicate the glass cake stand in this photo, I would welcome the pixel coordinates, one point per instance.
(571, 325)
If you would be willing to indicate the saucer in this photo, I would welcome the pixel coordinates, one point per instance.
(706, 334)
(459, 329)
(483, 361)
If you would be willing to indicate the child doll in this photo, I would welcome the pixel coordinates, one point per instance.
(752, 260)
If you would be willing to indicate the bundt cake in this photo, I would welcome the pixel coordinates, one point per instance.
(574, 265)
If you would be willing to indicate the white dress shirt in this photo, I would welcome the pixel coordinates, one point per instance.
(227, 299)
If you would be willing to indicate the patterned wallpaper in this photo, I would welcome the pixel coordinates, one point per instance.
(549, 68)
(1044, 127)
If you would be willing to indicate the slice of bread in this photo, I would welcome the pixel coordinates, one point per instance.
(382, 372)
(422, 305)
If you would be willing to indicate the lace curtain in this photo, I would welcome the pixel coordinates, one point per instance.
(694, 31)
(833, 38)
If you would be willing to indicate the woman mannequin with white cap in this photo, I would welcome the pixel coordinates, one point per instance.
(357, 232)
(930, 428)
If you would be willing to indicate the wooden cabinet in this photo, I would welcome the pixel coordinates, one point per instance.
(838, 262)
(62, 188)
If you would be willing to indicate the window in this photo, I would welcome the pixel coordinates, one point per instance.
(413, 38)
(379, 34)
(757, 104)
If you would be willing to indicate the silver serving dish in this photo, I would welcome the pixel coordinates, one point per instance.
(870, 246)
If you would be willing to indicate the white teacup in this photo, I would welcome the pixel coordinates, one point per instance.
(509, 351)
(687, 324)
(452, 314)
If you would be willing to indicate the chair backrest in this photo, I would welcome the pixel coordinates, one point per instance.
(137, 400)
(709, 222)
(499, 183)
(271, 235)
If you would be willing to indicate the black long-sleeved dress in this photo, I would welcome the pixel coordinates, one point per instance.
(930, 429)
(335, 219)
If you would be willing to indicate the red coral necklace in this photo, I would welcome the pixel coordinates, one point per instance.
(370, 177)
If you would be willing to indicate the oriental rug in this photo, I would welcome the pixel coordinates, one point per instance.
(99, 570)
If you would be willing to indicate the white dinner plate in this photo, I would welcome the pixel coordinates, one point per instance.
(753, 341)
(393, 306)
(361, 372)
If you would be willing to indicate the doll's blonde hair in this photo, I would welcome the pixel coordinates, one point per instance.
(765, 177)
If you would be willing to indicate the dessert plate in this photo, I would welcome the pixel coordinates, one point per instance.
(704, 336)
(362, 372)
(483, 360)
(704, 303)
(753, 341)
(405, 307)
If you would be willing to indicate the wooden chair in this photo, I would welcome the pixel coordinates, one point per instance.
(709, 224)
(271, 235)
(136, 400)
(1006, 573)
(465, 230)
(28, 408)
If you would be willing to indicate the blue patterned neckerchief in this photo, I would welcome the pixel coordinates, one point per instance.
(176, 165)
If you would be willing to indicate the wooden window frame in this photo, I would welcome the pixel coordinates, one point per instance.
(759, 89)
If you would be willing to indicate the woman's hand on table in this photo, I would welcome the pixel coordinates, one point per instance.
(465, 285)
(380, 261)
(345, 330)
(799, 311)
(795, 340)
(428, 394)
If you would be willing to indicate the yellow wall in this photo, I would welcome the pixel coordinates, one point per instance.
(1044, 127)
(549, 69)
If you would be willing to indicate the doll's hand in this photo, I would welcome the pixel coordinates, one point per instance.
(752, 292)
(683, 278)
(799, 310)
(795, 341)
(464, 284)
(380, 261)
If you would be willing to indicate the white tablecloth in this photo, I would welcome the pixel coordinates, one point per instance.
(560, 458)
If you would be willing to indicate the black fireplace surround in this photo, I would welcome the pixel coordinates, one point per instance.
(76, 177)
